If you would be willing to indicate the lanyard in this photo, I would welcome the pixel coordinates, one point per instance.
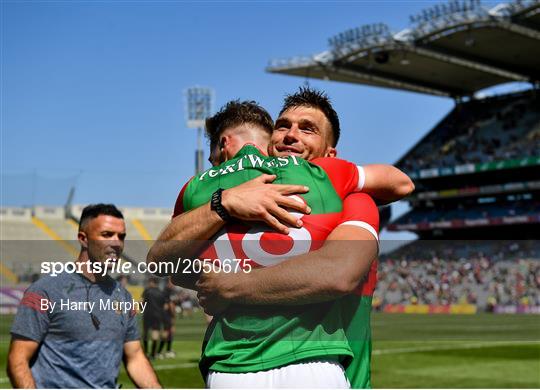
(95, 321)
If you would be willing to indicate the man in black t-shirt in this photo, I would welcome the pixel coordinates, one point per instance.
(153, 315)
(171, 296)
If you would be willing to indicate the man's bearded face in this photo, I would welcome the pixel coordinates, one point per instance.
(304, 132)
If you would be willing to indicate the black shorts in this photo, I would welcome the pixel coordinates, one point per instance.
(152, 323)
(167, 321)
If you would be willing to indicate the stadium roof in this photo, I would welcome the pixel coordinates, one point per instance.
(453, 49)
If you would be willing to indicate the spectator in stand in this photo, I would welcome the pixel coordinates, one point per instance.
(480, 132)
(427, 279)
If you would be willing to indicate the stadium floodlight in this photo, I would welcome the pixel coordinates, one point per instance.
(198, 108)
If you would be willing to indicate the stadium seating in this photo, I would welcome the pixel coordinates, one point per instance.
(43, 233)
(469, 213)
(494, 129)
(484, 273)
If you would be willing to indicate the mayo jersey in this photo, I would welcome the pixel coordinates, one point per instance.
(253, 338)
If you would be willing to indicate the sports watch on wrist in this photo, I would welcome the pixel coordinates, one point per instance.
(215, 205)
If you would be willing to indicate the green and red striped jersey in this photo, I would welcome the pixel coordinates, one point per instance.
(254, 338)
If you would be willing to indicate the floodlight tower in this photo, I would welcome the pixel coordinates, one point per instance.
(198, 108)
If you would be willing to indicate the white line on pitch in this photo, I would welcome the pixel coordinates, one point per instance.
(374, 352)
(449, 347)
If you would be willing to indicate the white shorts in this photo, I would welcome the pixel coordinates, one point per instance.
(319, 374)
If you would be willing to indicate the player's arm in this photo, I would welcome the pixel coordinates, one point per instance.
(20, 353)
(184, 236)
(326, 274)
(334, 270)
(386, 183)
(138, 367)
(256, 200)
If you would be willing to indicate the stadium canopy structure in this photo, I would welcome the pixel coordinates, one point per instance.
(476, 171)
(453, 49)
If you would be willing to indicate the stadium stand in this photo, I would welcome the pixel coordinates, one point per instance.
(457, 282)
(476, 171)
(527, 212)
(495, 250)
(46, 233)
(448, 50)
(484, 131)
(154, 227)
(482, 273)
(483, 144)
(491, 275)
(26, 241)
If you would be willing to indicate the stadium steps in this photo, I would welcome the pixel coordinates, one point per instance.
(143, 232)
(52, 233)
(141, 235)
(26, 244)
(154, 227)
(7, 276)
(21, 230)
(66, 229)
(136, 246)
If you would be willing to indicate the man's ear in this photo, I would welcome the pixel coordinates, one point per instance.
(83, 239)
(224, 143)
(330, 152)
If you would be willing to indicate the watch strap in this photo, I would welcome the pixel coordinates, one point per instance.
(215, 205)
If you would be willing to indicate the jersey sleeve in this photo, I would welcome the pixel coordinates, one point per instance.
(32, 318)
(360, 210)
(345, 176)
(179, 205)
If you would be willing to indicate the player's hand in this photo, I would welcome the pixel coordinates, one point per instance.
(259, 200)
(211, 288)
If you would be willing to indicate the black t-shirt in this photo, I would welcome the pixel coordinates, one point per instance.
(169, 299)
(155, 301)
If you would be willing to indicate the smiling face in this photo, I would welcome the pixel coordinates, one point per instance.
(304, 132)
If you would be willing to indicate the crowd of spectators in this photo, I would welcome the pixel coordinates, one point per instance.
(437, 274)
(481, 132)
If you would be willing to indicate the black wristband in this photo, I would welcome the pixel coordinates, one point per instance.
(215, 205)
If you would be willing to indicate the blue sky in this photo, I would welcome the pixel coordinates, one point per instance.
(92, 91)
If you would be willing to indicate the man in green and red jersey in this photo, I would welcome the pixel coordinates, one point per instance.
(304, 292)
(298, 132)
(274, 331)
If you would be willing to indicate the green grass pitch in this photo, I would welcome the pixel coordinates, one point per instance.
(409, 351)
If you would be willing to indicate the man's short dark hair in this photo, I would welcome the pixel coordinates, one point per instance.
(95, 210)
(236, 113)
(308, 97)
